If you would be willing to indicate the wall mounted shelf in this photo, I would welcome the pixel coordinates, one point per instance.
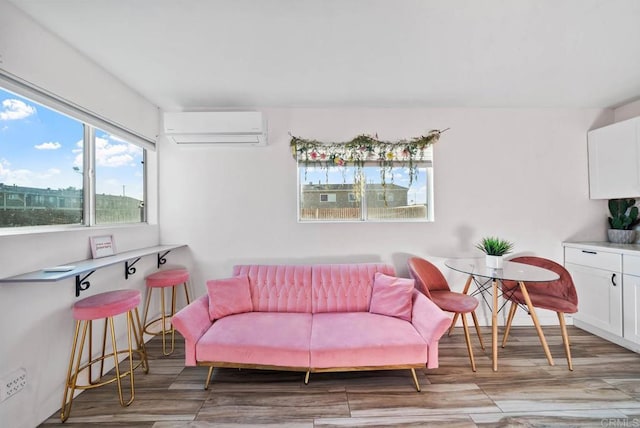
(84, 268)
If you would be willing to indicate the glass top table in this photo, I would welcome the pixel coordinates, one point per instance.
(520, 273)
(511, 271)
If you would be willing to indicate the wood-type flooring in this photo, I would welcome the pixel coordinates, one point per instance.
(602, 391)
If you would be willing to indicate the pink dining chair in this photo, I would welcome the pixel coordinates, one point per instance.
(431, 283)
(559, 296)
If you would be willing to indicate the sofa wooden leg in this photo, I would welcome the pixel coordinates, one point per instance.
(206, 384)
(306, 379)
(415, 379)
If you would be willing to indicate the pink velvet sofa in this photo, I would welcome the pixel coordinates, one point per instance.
(312, 318)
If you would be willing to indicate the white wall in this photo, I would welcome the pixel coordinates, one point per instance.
(31, 53)
(518, 174)
(36, 322)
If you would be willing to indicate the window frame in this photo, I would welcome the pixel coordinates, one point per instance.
(364, 218)
(90, 123)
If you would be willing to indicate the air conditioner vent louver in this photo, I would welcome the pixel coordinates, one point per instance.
(219, 128)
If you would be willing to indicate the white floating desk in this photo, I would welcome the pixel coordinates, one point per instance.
(130, 258)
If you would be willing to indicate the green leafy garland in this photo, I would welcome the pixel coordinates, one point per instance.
(362, 149)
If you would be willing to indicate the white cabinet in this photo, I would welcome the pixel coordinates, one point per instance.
(614, 160)
(597, 276)
(631, 298)
(607, 279)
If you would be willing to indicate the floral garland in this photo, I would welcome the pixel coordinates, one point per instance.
(362, 149)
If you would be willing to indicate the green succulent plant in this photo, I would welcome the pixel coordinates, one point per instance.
(493, 246)
(624, 213)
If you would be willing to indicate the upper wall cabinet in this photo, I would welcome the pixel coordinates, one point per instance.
(614, 160)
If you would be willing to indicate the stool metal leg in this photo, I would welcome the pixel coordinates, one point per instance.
(186, 293)
(134, 334)
(142, 350)
(146, 311)
(104, 347)
(162, 317)
(72, 374)
(115, 360)
(165, 316)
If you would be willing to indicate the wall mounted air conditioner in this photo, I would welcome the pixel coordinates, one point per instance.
(227, 128)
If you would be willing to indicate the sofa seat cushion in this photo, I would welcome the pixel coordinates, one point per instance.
(261, 338)
(363, 339)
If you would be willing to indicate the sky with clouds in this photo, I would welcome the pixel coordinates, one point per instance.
(42, 148)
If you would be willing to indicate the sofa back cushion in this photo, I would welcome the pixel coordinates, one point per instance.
(344, 287)
(278, 288)
(392, 296)
(229, 296)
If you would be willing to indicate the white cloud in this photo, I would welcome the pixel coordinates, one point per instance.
(51, 172)
(20, 177)
(48, 146)
(50, 178)
(115, 155)
(13, 109)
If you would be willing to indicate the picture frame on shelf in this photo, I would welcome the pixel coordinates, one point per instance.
(102, 246)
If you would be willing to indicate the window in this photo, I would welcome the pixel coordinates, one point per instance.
(327, 197)
(46, 159)
(360, 195)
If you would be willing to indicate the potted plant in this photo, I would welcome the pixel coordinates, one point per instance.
(495, 249)
(624, 216)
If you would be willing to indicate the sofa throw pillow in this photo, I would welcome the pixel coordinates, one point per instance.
(392, 296)
(229, 296)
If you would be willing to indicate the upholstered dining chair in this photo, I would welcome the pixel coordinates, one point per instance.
(559, 296)
(430, 282)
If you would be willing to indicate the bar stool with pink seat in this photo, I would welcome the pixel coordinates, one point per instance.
(161, 280)
(104, 306)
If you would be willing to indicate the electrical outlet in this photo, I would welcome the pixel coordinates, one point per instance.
(12, 383)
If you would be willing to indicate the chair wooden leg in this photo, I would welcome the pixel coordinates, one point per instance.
(453, 323)
(306, 378)
(468, 340)
(565, 339)
(536, 322)
(475, 323)
(507, 330)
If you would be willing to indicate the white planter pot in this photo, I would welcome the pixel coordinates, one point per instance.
(493, 262)
(620, 236)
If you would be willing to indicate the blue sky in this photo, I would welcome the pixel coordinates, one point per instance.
(40, 148)
(417, 193)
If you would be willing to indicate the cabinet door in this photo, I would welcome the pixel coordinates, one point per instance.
(614, 161)
(631, 299)
(599, 297)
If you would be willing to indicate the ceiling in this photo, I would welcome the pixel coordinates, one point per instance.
(199, 54)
